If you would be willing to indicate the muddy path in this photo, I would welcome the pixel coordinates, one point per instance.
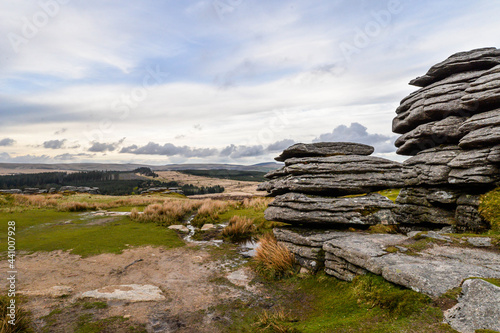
(192, 279)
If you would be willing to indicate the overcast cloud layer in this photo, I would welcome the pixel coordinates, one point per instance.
(216, 80)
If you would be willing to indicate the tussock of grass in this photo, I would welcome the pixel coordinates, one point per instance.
(276, 321)
(273, 259)
(382, 229)
(74, 206)
(72, 203)
(490, 209)
(239, 227)
(22, 321)
(210, 210)
(375, 291)
(258, 203)
(168, 213)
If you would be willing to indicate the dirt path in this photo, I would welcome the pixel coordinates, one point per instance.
(190, 278)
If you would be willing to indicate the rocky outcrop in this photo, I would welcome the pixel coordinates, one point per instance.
(478, 308)
(306, 245)
(318, 182)
(35, 190)
(478, 59)
(80, 189)
(300, 208)
(431, 273)
(451, 128)
(129, 293)
(323, 149)
(347, 254)
(334, 175)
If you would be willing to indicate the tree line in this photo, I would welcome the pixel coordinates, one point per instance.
(108, 182)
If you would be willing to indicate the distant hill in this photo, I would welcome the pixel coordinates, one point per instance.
(9, 168)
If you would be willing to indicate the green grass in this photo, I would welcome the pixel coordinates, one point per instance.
(493, 281)
(392, 194)
(81, 317)
(22, 317)
(86, 325)
(321, 304)
(257, 215)
(42, 230)
(490, 209)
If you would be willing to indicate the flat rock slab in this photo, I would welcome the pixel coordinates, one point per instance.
(54, 292)
(331, 184)
(479, 241)
(242, 278)
(478, 308)
(128, 292)
(296, 208)
(433, 273)
(432, 277)
(363, 250)
(207, 227)
(306, 237)
(325, 149)
(179, 227)
(483, 58)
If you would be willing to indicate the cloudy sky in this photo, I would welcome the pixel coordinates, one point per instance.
(231, 81)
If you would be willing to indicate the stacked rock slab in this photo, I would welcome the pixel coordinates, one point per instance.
(327, 185)
(312, 186)
(451, 127)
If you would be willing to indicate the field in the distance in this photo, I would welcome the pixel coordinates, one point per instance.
(232, 187)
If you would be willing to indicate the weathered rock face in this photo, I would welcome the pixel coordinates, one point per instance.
(451, 128)
(478, 59)
(348, 254)
(431, 273)
(426, 206)
(478, 308)
(307, 189)
(306, 245)
(325, 149)
(425, 136)
(300, 208)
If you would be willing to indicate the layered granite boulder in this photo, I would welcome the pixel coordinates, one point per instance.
(345, 255)
(330, 183)
(451, 129)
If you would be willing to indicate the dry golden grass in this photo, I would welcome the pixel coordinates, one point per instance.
(209, 211)
(275, 321)
(273, 259)
(73, 203)
(212, 208)
(258, 203)
(22, 318)
(166, 213)
(36, 200)
(75, 206)
(239, 227)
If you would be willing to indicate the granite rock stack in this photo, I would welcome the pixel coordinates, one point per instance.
(331, 183)
(451, 128)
